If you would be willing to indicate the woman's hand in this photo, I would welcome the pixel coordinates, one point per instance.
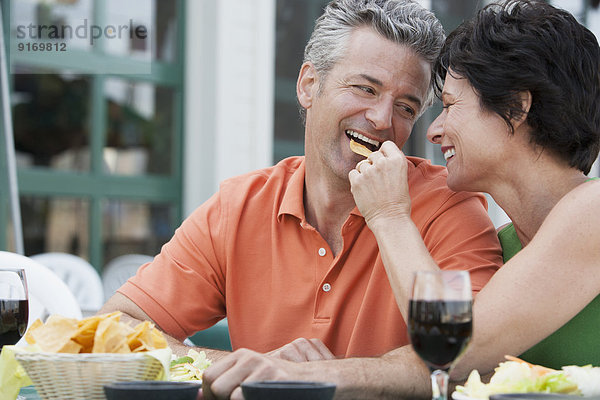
(379, 185)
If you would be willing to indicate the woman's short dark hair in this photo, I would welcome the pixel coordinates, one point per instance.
(529, 45)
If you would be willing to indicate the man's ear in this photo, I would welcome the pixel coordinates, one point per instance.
(526, 100)
(307, 84)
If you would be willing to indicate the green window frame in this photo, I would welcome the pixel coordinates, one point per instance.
(95, 185)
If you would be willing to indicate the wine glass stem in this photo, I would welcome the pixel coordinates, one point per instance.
(439, 385)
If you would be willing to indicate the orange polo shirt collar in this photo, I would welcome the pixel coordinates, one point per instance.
(292, 202)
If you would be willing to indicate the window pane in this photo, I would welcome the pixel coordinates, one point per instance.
(132, 227)
(157, 16)
(33, 19)
(50, 116)
(55, 224)
(293, 27)
(128, 28)
(294, 23)
(289, 132)
(140, 128)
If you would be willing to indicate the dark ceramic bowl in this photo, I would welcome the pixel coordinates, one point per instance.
(288, 390)
(152, 390)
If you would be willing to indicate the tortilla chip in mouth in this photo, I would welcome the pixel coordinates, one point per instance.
(370, 144)
(359, 148)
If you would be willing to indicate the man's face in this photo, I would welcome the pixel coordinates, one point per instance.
(374, 92)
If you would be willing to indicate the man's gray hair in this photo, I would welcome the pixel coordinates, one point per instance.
(404, 22)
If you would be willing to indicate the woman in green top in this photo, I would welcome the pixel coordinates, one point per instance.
(520, 121)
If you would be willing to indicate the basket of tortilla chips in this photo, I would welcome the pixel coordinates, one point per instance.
(73, 359)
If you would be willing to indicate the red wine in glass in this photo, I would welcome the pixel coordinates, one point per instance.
(439, 330)
(14, 306)
(13, 320)
(440, 322)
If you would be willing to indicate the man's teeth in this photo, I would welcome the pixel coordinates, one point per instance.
(362, 138)
(449, 153)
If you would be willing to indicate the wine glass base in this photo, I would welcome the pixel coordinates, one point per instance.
(439, 385)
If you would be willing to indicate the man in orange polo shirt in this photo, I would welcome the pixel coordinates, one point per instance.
(283, 252)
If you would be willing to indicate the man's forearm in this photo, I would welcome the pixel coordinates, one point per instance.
(133, 314)
(180, 349)
(399, 374)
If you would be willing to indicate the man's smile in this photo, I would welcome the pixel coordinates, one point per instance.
(448, 152)
(371, 144)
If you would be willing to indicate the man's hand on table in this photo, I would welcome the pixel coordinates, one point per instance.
(222, 380)
(303, 350)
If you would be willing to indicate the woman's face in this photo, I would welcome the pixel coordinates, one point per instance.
(473, 140)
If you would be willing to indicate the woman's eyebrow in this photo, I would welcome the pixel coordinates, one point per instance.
(446, 96)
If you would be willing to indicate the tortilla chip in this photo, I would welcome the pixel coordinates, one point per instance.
(136, 340)
(97, 334)
(146, 338)
(160, 342)
(87, 330)
(36, 324)
(359, 148)
(71, 347)
(111, 337)
(55, 334)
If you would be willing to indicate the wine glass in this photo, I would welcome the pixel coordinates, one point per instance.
(440, 322)
(14, 305)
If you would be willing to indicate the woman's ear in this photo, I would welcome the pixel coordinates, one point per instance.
(306, 86)
(526, 100)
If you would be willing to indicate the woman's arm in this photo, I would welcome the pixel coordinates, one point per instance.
(542, 287)
(380, 190)
(527, 299)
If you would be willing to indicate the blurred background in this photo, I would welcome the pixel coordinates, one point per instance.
(111, 163)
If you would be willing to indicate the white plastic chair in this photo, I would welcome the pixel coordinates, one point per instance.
(48, 294)
(119, 269)
(79, 275)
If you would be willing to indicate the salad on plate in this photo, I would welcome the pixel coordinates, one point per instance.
(518, 376)
(189, 368)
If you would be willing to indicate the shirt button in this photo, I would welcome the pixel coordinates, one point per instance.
(322, 251)
(326, 287)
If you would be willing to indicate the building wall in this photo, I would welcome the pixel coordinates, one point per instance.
(229, 92)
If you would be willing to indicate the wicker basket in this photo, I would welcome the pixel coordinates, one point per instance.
(59, 376)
